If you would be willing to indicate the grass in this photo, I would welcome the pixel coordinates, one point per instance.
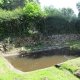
(72, 65)
(51, 73)
(35, 47)
(73, 43)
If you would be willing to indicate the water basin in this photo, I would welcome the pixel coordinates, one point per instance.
(30, 64)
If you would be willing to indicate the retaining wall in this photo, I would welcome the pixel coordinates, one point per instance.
(51, 40)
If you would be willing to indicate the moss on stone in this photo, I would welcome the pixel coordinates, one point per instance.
(72, 65)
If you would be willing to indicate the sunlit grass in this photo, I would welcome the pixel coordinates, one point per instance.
(72, 65)
(71, 43)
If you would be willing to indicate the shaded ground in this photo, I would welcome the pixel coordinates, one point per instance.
(66, 71)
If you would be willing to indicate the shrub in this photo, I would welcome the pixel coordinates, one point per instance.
(32, 9)
(8, 15)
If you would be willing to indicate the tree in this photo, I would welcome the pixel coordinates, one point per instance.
(51, 11)
(32, 9)
(78, 6)
(11, 4)
(6, 4)
(68, 13)
(18, 3)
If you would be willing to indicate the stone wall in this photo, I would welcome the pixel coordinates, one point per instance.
(37, 39)
(51, 40)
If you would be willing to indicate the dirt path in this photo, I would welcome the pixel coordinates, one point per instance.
(10, 54)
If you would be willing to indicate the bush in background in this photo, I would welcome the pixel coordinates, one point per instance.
(31, 19)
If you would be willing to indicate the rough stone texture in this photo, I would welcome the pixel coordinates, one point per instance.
(1, 47)
(39, 39)
(4, 47)
(61, 38)
(77, 73)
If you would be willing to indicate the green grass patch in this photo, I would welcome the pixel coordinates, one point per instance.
(35, 47)
(73, 43)
(72, 65)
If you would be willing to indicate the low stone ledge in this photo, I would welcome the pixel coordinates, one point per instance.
(49, 51)
(77, 73)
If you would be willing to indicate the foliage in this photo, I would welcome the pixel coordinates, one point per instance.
(32, 9)
(78, 6)
(51, 11)
(68, 13)
(79, 15)
(1, 1)
(11, 4)
(6, 20)
(8, 15)
(6, 4)
(31, 19)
